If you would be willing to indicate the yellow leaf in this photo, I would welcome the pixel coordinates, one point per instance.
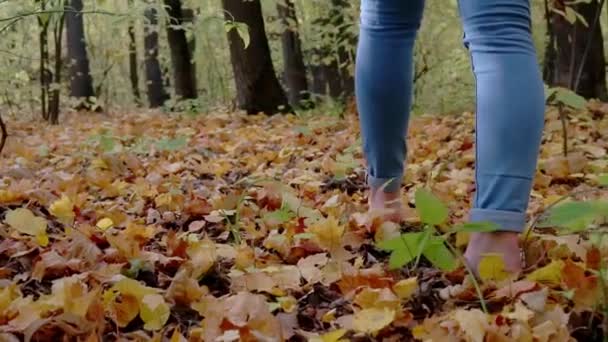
(105, 224)
(373, 320)
(154, 312)
(63, 209)
(42, 240)
(406, 288)
(492, 267)
(25, 222)
(474, 323)
(7, 196)
(7, 295)
(377, 298)
(333, 336)
(125, 310)
(133, 287)
(288, 304)
(462, 239)
(419, 332)
(329, 316)
(177, 336)
(550, 274)
(328, 233)
(202, 257)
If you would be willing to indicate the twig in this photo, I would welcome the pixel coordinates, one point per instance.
(23, 15)
(459, 255)
(4, 134)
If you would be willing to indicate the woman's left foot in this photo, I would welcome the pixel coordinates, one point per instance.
(388, 204)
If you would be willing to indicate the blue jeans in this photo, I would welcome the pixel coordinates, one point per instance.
(510, 99)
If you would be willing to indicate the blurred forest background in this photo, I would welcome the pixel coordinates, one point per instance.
(120, 54)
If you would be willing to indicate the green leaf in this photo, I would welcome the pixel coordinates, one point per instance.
(439, 255)
(574, 216)
(603, 179)
(476, 227)
(280, 216)
(403, 249)
(107, 143)
(172, 144)
(243, 32)
(569, 98)
(570, 15)
(430, 209)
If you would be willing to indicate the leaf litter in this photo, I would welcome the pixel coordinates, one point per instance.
(228, 227)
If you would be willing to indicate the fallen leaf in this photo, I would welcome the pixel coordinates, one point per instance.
(406, 288)
(550, 274)
(25, 222)
(492, 268)
(373, 320)
(63, 209)
(105, 224)
(474, 323)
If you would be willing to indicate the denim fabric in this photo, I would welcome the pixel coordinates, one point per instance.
(510, 98)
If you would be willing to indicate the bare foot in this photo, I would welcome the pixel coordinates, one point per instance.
(388, 204)
(505, 243)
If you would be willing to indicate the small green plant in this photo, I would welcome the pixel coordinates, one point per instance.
(430, 243)
(564, 99)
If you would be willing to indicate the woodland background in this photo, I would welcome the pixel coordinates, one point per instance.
(136, 53)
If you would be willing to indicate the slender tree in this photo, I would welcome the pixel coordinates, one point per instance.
(45, 74)
(81, 82)
(257, 86)
(154, 80)
(133, 74)
(56, 93)
(294, 74)
(575, 52)
(184, 75)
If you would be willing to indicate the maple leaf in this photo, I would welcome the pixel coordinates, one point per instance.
(474, 323)
(135, 299)
(63, 209)
(154, 311)
(492, 268)
(586, 289)
(328, 233)
(550, 274)
(333, 336)
(373, 320)
(406, 288)
(25, 222)
(377, 298)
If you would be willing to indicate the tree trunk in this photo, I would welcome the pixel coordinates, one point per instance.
(332, 59)
(133, 76)
(257, 86)
(55, 96)
(294, 74)
(81, 82)
(184, 76)
(575, 55)
(154, 79)
(45, 77)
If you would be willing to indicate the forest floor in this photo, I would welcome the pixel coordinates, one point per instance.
(228, 227)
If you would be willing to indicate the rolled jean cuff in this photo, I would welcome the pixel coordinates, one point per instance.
(386, 184)
(508, 221)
